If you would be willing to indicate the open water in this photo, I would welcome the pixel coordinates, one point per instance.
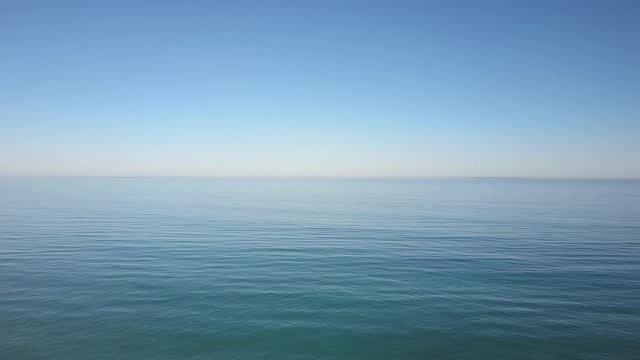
(162, 268)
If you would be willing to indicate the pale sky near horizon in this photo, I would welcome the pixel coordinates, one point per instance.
(539, 88)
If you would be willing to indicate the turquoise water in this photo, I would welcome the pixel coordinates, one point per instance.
(304, 269)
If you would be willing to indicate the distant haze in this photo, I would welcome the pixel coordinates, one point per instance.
(320, 88)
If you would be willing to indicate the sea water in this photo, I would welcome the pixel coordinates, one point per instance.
(162, 268)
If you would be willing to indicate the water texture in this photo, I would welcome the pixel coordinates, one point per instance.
(319, 269)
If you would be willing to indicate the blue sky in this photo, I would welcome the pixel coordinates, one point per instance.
(320, 88)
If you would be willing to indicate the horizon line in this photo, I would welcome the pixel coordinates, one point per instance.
(273, 177)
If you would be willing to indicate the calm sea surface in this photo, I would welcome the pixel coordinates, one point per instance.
(304, 269)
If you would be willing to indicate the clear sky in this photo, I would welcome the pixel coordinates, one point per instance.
(320, 88)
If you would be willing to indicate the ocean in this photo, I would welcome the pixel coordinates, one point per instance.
(197, 268)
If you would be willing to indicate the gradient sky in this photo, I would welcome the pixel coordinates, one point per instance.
(320, 88)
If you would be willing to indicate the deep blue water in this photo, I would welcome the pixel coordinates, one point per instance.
(304, 269)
